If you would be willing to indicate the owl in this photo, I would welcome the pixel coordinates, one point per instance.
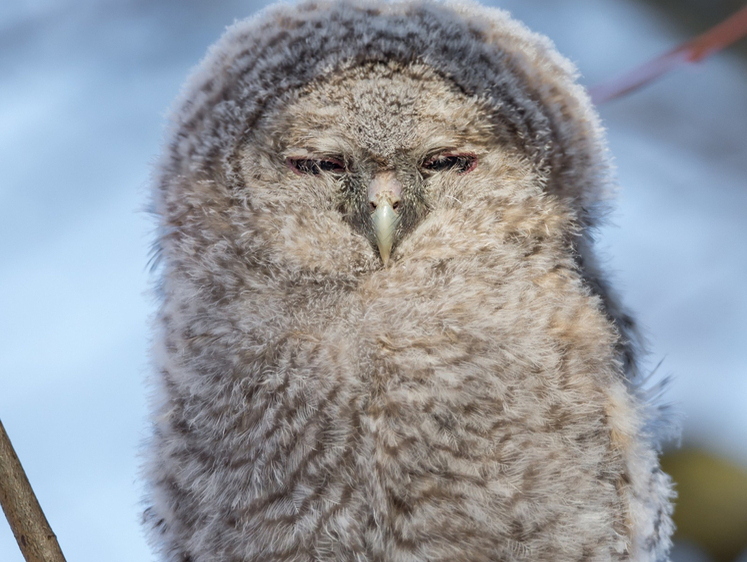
(383, 333)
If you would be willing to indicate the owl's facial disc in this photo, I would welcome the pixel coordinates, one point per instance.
(378, 147)
(384, 199)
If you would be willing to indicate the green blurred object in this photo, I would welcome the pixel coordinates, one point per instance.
(711, 508)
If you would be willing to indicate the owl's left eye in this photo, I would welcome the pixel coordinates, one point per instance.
(314, 167)
(460, 163)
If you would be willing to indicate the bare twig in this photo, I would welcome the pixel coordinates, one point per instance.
(30, 527)
(695, 50)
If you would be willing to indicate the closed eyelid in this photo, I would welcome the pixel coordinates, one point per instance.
(461, 162)
(315, 166)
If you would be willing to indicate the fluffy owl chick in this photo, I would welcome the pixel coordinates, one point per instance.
(383, 335)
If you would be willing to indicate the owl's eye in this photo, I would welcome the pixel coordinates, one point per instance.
(460, 163)
(315, 166)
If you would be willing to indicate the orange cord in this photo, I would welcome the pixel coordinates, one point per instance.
(695, 50)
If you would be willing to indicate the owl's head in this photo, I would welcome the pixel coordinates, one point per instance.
(320, 137)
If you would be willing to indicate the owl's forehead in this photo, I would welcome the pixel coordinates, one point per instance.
(382, 109)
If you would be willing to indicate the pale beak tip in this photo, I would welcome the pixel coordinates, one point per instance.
(384, 222)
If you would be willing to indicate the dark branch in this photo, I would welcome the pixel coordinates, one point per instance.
(30, 527)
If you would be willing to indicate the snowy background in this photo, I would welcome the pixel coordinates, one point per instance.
(83, 91)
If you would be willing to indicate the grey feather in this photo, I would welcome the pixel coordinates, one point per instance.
(476, 398)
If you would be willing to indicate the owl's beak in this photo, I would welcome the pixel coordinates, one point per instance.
(384, 221)
(384, 198)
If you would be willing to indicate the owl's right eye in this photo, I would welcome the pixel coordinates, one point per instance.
(314, 167)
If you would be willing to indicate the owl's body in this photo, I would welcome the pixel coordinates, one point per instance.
(468, 398)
